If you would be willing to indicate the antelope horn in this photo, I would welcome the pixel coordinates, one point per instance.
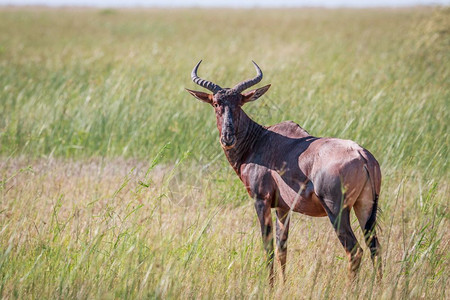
(240, 87)
(202, 82)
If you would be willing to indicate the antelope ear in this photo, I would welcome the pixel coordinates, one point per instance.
(205, 97)
(255, 94)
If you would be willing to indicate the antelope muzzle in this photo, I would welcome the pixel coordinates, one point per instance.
(227, 138)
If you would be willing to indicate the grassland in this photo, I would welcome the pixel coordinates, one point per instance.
(113, 184)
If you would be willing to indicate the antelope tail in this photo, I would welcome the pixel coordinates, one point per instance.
(372, 221)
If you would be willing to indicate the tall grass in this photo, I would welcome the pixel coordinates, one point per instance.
(113, 184)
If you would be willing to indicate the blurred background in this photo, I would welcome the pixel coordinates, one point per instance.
(112, 180)
(231, 3)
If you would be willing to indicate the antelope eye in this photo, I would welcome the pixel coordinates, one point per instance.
(216, 105)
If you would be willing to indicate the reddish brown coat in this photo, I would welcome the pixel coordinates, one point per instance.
(285, 168)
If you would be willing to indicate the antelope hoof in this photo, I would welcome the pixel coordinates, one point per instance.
(355, 262)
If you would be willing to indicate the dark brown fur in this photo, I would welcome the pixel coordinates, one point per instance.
(285, 168)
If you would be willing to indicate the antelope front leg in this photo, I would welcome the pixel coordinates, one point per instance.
(282, 237)
(265, 220)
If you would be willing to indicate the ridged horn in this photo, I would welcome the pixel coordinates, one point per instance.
(240, 87)
(202, 82)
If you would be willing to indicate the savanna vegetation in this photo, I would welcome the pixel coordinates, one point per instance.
(113, 183)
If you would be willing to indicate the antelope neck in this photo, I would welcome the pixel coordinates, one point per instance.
(247, 134)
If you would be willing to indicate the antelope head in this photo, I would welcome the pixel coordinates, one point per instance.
(227, 102)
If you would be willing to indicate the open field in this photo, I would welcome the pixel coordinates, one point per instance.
(113, 183)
